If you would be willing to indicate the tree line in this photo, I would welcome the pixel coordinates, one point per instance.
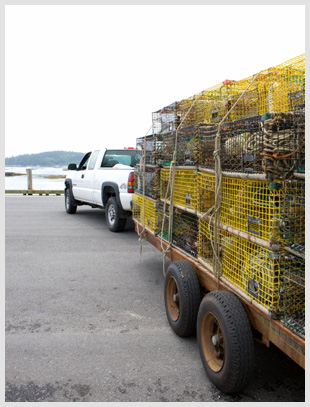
(47, 159)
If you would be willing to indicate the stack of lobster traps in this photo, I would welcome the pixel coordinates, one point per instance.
(236, 150)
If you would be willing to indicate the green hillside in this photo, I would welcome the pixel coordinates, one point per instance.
(47, 159)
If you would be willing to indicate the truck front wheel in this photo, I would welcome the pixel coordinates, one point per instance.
(69, 205)
(112, 214)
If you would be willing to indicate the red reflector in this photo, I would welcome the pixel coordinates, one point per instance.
(128, 148)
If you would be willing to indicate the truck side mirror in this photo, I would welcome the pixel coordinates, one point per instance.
(72, 167)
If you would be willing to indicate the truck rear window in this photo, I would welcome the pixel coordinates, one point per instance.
(126, 157)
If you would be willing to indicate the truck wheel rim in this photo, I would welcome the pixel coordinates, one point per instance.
(67, 199)
(212, 340)
(173, 299)
(111, 214)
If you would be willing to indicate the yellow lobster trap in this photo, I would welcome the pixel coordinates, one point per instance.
(185, 187)
(273, 90)
(251, 268)
(150, 219)
(250, 206)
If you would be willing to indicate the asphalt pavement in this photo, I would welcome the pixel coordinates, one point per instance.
(86, 322)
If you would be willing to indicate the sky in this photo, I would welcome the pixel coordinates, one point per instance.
(81, 77)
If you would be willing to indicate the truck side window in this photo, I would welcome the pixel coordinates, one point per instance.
(93, 159)
(83, 163)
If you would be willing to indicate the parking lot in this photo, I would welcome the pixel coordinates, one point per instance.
(85, 318)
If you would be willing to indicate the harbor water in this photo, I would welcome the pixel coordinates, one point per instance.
(43, 178)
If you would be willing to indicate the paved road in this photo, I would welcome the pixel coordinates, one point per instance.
(85, 319)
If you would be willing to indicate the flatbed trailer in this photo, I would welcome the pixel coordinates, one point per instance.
(220, 190)
(265, 329)
(269, 329)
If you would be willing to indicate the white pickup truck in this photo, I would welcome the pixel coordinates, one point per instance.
(103, 179)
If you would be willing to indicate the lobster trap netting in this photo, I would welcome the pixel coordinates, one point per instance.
(252, 268)
(250, 206)
(206, 236)
(248, 266)
(145, 212)
(179, 145)
(257, 126)
(165, 120)
(261, 119)
(151, 146)
(276, 280)
(273, 144)
(292, 221)
(292, 292)
(274, 90)
(150, 177)
(184, 234)
(185, 187)
(205, 191)
(283, 147)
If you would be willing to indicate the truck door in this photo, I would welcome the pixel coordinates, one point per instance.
(83, 183)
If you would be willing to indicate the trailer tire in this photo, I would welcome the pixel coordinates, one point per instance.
(225, 341)
(182, 297)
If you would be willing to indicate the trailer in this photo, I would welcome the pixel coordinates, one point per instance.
(220, 191)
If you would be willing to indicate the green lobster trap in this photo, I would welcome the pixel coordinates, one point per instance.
(292, 292)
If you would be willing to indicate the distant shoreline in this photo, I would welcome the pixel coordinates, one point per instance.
(13, 174)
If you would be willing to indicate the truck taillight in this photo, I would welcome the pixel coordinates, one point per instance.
(131, 182)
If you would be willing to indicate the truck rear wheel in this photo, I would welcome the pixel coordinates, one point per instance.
(225, 341)
(112, 214)
(182, 297)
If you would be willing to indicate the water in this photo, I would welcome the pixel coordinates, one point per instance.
(39, 180)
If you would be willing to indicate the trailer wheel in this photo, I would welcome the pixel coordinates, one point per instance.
(182, 297)
(225, 341)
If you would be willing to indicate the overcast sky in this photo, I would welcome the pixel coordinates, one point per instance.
(83, 77)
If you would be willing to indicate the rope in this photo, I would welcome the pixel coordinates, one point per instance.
(170, 187)
(214, 212)
(278, 145)
(142, 162)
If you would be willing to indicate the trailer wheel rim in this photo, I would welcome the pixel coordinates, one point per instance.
(212, 340)
(173, 299)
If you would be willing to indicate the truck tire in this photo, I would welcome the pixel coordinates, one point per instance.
(112, 215)
(69, 205)
(182, 297)
(225, 341)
